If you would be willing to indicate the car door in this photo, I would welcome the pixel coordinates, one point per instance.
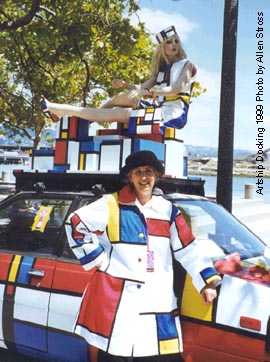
(29, 229)
(236, 326)
(25, 283)
(69, 284)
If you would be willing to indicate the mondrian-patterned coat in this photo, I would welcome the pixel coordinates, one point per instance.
(126, 309)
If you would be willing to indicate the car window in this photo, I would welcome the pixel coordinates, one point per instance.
(201, 223)
(219, 231)
(32, 224)
(67, 253)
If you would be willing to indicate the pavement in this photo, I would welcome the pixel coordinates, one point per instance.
(255, 214)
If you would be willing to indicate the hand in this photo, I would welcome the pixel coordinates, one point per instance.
(209, 293)
(118, 83)
(139, 93)
(134, 93)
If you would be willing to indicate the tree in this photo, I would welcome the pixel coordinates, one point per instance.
(22, 15)
(70, 51)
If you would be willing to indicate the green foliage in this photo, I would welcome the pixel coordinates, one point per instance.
(68, 50)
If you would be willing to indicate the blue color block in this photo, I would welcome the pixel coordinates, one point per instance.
(146, 145)
(132, 125)
(67, 347)
(62, 347)
(131, 226)
(185, 166)
(90, 146)
(83, 127)
(60, 168)
(49, 152)
(25, 266)
(30, 335)
(88, 258)
(166, 326)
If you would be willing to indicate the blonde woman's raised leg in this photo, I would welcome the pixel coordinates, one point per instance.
(124, 99)
(116, 114)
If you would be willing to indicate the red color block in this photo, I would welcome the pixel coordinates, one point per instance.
(60, 157)
(70, 277)
(156, 128)
(113, 131)
(158, 227)
(100, 303)
(151, 137)
(73, 126)
(105, 132)
(49, 268)
(10, 290)
(250, 323)
(5, 260)
(183, 230)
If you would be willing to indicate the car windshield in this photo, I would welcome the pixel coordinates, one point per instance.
(32, 224)
(220, 232)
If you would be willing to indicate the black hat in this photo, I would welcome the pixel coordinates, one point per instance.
(142, 158)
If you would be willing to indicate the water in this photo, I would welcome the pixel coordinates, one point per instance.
(238, 186)
(10, 168)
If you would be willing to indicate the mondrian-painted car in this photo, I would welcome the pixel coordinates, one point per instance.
(42, 284)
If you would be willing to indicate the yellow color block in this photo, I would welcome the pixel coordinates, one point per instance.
(169, 132)
(113, 223)
(169, 346)
(64, 135)
(192, 303)
(81, 162)
(14, 268)
(213, 279)
(41, 218)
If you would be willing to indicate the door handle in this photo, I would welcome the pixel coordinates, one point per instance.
(36, 272)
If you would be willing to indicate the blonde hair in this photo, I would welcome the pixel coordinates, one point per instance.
(159, 59)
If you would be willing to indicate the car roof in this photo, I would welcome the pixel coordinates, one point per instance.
(176, 196)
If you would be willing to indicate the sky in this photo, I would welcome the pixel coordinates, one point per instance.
(199, 24)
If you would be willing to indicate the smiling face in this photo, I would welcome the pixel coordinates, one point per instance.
(143, 179)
